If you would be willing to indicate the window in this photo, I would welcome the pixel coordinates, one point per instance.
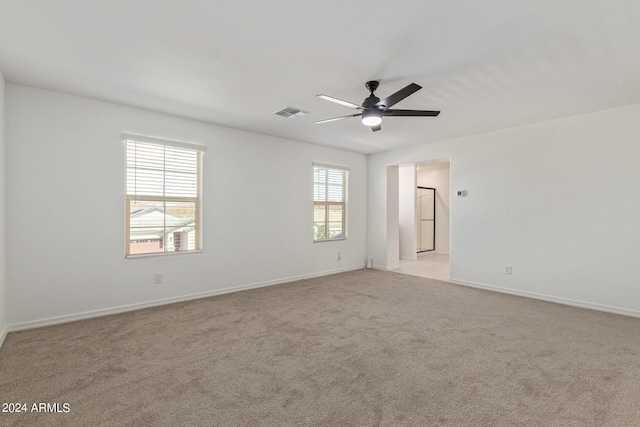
(330, 202)
(163, 202)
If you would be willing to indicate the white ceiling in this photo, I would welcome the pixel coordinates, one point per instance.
(486, 64)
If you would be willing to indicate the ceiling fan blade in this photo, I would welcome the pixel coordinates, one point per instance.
(336, 118)
(408, 113)
(392, 100)
(338, 101)
(376, 128)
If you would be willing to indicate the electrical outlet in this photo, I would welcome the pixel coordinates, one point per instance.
(507, 269)
(158, 278)
(339, 256)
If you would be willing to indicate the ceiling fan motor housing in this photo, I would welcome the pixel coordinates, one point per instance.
(372, 100)
(372, 85)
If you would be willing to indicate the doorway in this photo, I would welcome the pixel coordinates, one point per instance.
(424, 201)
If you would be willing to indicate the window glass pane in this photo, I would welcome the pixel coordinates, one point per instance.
(319, 221)
(319, 213)
(335, 230)
(330, 202)
(335, 213)
(335, 221)
(146, 227)
(180, 220)
(157, 226)
(163, 198)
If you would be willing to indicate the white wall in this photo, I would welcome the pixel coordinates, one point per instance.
(391, 259)
(65, 216)
(436, 175)
(558, 201)
(407, 212)
(3, 271)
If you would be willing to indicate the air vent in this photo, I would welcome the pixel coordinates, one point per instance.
(289, 112)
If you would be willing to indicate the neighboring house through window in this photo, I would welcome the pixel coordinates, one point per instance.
(330, 202)
(164, 196)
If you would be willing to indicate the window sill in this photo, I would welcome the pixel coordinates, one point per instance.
(330, 240)
(162, 254)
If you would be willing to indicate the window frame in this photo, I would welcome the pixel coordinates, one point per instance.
(197, 200)
(344, 202)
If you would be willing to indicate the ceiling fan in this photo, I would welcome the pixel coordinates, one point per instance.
(373, 108)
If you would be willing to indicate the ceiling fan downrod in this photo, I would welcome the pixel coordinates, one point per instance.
(372, 100)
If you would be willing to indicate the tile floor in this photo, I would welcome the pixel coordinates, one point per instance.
(431, 265)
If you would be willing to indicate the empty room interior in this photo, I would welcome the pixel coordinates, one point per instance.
(320, 213)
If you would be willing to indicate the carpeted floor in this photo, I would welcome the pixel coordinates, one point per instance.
(363, 348)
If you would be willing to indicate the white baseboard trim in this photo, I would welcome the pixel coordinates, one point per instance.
(383, 268)
(550, 298)
(3, 334)
(131, 307)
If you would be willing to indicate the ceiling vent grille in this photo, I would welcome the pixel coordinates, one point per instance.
(289, 112)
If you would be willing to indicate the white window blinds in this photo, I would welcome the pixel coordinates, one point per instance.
(330, 202)
(163, 201)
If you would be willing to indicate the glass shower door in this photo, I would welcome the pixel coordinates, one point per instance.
(426, 230)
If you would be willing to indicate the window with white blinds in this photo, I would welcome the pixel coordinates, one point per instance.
(330, 202)
(163, 201)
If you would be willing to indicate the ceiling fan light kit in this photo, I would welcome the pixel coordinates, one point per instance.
(371, 117)
(373, 108)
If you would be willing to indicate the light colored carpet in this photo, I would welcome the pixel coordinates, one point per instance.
(363, 348)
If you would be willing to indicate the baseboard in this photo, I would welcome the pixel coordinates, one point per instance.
(3, 335)
(550, 298)
(147, 304)
(384, 268)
